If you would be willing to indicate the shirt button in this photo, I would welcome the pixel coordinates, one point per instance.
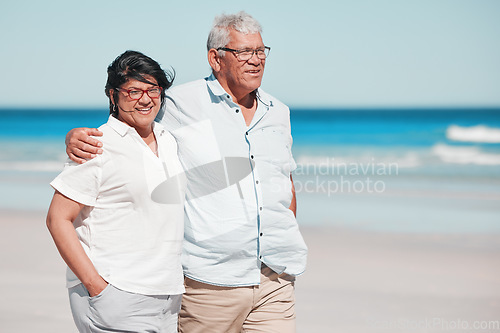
(261, 234)
(251, 156)
(260, 257)
(237, 110)
(260, 208)
(256, 182)
(246, 133)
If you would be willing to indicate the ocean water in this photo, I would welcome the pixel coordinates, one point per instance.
(425, 170)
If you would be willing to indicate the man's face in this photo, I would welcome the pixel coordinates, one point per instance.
(242, 77)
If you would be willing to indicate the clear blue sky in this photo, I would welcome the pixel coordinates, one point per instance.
(345, 53)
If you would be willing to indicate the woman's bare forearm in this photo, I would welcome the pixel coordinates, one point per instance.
(60, 218)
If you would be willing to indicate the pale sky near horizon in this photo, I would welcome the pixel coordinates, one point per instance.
(349, 53)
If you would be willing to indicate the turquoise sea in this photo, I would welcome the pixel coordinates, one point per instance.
(399, 170)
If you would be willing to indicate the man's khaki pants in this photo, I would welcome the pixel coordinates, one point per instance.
(269, 307)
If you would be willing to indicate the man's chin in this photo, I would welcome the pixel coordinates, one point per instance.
(254, 83)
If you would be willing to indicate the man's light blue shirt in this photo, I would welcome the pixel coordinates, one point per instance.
(239, 188)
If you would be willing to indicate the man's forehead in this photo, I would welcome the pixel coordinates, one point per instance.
(239, 39)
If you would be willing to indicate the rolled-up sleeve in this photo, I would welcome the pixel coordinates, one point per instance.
(80, 182)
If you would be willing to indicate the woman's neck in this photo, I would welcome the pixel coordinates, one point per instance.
(150, 140)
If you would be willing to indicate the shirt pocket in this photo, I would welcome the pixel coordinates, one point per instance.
(273, 146)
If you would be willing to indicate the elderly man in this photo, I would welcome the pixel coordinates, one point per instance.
(242, 247)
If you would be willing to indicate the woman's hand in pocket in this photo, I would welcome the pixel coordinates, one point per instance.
(96, 287)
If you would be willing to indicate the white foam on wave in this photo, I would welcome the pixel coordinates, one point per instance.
(478, 133)
(407, 160)
(465, 155)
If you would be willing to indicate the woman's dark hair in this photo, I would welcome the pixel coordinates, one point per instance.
(133, 65)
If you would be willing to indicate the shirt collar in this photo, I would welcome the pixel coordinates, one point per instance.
(121, 128)
(217, 90)
(264, 98)
(118, 126)
(158, 129)
(214, 86)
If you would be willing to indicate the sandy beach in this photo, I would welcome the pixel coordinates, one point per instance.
(356, 281)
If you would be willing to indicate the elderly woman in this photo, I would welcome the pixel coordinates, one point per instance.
(122, 247)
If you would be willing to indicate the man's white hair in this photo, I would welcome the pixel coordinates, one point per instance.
(241, 22)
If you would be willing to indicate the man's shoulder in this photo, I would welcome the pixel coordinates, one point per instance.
(271, 100)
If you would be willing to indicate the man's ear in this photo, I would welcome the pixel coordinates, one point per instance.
(214, 59)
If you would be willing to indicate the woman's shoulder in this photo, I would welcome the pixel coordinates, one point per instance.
(107, 133)
(112, 130)
(112, 141)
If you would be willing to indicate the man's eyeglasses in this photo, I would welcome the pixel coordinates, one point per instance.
(247, 54)
(136, 94)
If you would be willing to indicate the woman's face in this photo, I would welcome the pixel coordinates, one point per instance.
(136, 110)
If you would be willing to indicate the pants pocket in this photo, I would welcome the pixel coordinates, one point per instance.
(107, 308)
(103, 292)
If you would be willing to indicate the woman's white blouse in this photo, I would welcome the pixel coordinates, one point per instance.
(132, 224)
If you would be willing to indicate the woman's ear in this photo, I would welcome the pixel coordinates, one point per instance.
(112, 96)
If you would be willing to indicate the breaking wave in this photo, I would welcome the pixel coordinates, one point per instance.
(480, 133)
(465, 155)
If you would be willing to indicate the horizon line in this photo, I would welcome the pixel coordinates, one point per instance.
(292, 108)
